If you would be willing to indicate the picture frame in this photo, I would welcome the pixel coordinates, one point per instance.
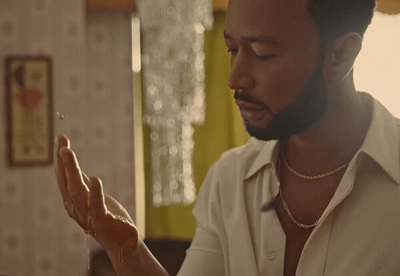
(29, 107)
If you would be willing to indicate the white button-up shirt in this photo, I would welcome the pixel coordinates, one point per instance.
(358, 233)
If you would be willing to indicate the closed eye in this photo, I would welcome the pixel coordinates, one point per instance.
(232, 50)
(265, 57)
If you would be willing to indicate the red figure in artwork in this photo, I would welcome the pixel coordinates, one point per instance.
(29, 98)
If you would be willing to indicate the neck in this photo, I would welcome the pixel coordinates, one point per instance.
(334, 140)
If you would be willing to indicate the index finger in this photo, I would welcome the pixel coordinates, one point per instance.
(76, 187)
(62, 142)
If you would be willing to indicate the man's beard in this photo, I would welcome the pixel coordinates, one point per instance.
(298, 117)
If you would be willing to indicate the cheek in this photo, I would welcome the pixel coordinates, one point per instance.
(281, 86)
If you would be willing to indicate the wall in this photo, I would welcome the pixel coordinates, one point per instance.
(377, 67)
(92, 86)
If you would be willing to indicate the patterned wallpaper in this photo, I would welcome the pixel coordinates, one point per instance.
(92, 86)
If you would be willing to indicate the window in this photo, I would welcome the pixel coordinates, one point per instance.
(377, 69)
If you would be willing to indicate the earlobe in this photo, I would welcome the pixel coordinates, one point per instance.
(340, 56)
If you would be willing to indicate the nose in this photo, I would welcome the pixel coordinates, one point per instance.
(240, 76)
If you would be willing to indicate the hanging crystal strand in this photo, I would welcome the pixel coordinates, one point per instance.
(88, 251)
(121, 256)
(173, 66)
(87, 231)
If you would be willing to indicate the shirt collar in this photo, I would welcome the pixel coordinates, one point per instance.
(266, 156)
(382, 140)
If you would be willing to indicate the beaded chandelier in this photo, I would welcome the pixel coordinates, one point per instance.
(173, 78)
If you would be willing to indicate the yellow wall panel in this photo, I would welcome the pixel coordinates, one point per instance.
(220, 5)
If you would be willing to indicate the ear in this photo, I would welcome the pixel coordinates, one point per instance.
(340, 57)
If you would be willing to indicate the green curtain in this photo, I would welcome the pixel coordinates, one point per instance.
(222, 130)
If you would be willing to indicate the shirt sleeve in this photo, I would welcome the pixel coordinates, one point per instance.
(205, 256)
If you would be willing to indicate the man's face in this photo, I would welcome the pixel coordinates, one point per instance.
(276, 66)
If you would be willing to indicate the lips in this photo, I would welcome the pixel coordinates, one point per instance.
(247, 105)
(250, 111)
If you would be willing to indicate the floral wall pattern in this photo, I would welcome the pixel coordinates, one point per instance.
(92, 86)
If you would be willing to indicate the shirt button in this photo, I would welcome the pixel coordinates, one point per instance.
(271, 255)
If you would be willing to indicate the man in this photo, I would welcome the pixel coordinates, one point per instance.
(324, 163)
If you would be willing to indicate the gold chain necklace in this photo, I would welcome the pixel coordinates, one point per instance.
(312, 177)
(287, 210)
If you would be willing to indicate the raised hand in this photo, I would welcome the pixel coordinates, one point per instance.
(101, 216)
(98, 214)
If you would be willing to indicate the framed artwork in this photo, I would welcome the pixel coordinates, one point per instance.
(29, 110)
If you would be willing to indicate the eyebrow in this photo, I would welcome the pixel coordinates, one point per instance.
(255, 39)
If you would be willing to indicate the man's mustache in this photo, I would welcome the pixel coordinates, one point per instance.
(247, 97)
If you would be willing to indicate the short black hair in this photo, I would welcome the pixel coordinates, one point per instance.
(335, 18)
